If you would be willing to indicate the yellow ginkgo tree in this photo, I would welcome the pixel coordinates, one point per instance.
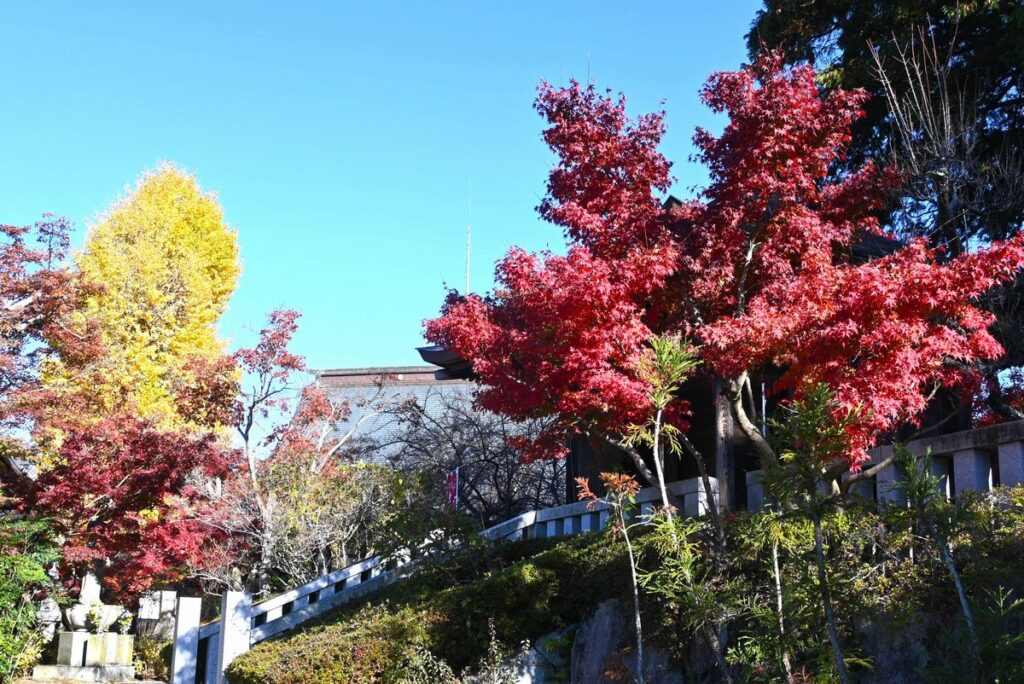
(167, 264)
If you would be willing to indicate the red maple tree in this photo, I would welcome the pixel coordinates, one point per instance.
(38, 292)
(120, 497)
(769, 268)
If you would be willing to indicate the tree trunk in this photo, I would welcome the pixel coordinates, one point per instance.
(636, 602)
(709, 492)
(826, 602)
(947, 559)
(779, 610)
(260, 581)
(659, 468)
(713, 642)
(761, 445)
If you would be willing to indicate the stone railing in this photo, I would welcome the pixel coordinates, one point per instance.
(972, 460)
(580, 516)
(197, 651)
(202, 652)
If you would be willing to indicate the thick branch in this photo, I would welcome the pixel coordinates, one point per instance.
(638, 460)
(716, 518)
(734, 393)
(865, 474)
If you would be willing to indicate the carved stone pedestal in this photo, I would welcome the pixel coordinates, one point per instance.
(84, 657)
(93, 673)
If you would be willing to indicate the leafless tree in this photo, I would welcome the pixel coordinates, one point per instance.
(306, 524)
(442, 430)
(297, 507)
(959, 191)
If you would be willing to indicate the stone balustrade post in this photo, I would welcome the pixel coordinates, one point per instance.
(885, 485)
(186, 640)
(1011, 464)
(972, 470)
(235, 629)
(697, 504)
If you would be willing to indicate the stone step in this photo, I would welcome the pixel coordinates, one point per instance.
(33, 680)
(86, 673)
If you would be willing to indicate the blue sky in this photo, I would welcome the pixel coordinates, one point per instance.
(340, 137)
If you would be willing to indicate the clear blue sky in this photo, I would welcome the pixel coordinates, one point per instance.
(340, 137)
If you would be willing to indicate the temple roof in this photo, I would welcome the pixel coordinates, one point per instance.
(452, 366)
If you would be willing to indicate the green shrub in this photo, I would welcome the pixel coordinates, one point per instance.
(423, 667)
(374, 646)
(438, 621)
(152, 658)
(524, 590)
(27, 550)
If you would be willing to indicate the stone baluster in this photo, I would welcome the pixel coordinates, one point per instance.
(186, 640)
(1011, 464)
(941, 467)
(972, 470)
(755, 490)
(212, 649)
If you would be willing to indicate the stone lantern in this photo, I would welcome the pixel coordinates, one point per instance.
(88, 651)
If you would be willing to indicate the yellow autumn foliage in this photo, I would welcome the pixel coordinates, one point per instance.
(167, 264)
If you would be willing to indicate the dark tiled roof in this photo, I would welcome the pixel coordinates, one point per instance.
(452, 366)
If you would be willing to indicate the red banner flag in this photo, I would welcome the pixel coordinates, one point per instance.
(453, 487)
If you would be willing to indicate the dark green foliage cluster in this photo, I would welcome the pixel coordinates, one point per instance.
(27, 548)
(887, 581)
(524, 590)
(838, 35)
(884, 578)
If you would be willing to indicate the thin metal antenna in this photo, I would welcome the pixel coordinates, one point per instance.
(469, 230)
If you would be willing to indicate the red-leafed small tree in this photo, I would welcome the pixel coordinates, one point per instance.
(120, 495)
(564, 335)
(38, 291)
(772, 272)
(766, 269)
(292, 509)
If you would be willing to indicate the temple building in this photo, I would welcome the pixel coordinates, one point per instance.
(375, 397)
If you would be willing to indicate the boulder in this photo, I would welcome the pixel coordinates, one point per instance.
(545, 662)
(897, 652)
(604, 651)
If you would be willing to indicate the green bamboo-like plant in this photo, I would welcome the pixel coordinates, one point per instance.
(620, 495)
(670, 361)
(685, 578)
(812, 435)
(935, 520)
(767, 532)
